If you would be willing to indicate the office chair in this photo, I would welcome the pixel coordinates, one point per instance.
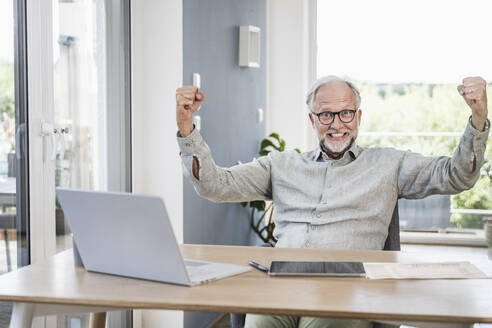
(392, 243)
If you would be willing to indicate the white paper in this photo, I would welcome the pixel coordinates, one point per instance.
(441, 270)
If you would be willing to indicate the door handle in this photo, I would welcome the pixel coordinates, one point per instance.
(19, 149)
(48, 130)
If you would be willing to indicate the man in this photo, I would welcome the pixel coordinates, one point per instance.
(339, 195)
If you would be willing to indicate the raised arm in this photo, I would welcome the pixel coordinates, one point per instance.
(420, 176)
(474, 91)
(188, 99)
(244, 182)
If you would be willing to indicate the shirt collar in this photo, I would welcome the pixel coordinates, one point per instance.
(353, 152)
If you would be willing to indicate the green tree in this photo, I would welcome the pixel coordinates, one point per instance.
(7, 109)
(7, 89)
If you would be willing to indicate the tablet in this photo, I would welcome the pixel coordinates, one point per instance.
(337, 269)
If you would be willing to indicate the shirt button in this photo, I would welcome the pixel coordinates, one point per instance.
(332, 164)
(318, 215)
(187, 144)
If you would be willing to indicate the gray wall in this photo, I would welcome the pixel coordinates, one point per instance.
(210, 47)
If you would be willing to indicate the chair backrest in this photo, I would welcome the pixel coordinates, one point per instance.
(393, 240)
(7, 220)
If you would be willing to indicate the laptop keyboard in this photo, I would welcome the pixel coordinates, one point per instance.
(190, 263)
(198, 271)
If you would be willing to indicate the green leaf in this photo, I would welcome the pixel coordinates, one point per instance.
(297, 150)
(275, 135)
(264, 152)
(266, 143)
(258, 204)
(244, 204)
(282, 145)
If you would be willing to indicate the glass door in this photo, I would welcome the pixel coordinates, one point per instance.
(8, 234)
(91, 107)
(91, 100)
(14, 187)
(64, 121)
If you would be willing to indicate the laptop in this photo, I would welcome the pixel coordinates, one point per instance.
(131, 235)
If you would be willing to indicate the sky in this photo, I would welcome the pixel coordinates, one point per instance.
(393, 41)
(6, 31)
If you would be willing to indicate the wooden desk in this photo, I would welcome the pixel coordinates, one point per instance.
(56, 286)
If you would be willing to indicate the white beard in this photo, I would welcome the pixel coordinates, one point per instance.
(339, 147)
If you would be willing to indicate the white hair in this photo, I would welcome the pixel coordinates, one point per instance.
(325, 80)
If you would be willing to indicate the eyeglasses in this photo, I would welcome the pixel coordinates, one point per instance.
(346, 116)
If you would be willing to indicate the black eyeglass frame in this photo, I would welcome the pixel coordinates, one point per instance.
(353, 111)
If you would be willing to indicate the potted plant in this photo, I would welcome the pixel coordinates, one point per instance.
(264, 225)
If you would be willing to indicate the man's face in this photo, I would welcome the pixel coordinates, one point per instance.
(336, 137)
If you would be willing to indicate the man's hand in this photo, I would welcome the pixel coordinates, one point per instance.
(188, 100)
(474, 92)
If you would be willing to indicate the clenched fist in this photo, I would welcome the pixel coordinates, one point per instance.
(188, 100)
(474, 92)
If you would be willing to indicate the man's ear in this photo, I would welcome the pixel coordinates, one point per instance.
(359, 113)
(311, 119)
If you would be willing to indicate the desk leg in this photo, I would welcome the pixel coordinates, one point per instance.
(97, 320)
(22, 315)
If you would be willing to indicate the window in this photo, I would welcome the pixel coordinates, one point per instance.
(91, 92)
(407, 59)
(8, 235)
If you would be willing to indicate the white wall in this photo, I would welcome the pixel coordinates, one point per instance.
(156, 35)
(291, 69)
